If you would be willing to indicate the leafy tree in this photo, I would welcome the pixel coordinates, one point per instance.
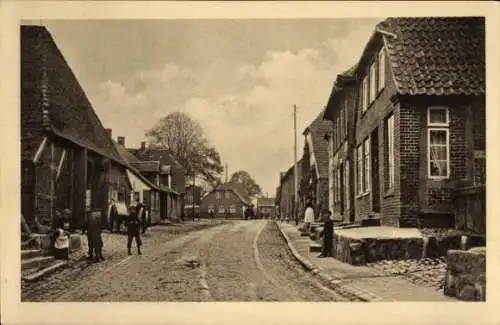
(247, 182)
(184, 138)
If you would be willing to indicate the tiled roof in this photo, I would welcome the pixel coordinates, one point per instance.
(318, 129)
(237, 189)
(147, 166)
(70, 113)
(436, 56)
(161, 155)
(265, 201)
(130, 160)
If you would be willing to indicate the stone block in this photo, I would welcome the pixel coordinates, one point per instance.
(475, 241)
(357, 254)
(370, 222)
(466, 275)
(446, 243)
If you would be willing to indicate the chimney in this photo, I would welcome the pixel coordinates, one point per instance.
(121, 141)
(110, 132)
(143, 145)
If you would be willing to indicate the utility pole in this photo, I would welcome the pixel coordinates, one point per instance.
(295, 173)
(226, 171)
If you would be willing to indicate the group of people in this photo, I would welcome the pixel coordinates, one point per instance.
(326, 218)
(135, 221)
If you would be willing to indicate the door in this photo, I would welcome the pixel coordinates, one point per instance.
(340, 182)
(375, 181)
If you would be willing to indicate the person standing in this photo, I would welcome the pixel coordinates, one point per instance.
(133, 230)
(92, 227)
(308, 217)
(327, 245)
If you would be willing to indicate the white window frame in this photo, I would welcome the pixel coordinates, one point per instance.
(217, 195)
(366, 166)
(359, 169)
(373, 82)
(438, 127)
(390, 151)
(365, 94)
(381, 70)
(447, 131)
(221, 209)
(232, 208)
(346, 183)
(227, 195)
(438, 108)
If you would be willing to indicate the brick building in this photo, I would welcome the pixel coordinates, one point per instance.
(287, 193)
(142, 188)
(226, 200)
(68, 160)
(314, 181)
(341, 109)
(420, 120)
(159, 167)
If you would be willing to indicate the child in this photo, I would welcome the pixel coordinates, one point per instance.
(61, 244)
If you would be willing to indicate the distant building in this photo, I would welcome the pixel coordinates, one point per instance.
(228, 200)
(287, 208)
(266, 207)
(162, 169)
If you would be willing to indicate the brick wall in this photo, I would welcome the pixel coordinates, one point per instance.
(374, 118)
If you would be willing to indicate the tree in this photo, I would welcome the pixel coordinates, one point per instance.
(247, 182)
(184, 138)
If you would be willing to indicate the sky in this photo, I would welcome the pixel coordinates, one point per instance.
(239, 79)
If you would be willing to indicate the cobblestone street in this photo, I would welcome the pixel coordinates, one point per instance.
(234, 261)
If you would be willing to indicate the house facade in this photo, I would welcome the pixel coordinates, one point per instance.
(420, 121)
(68, 159)
(287, 206)
(314, 181)
(227, 200)
(341, 110)
(266, 207)
(142, 188)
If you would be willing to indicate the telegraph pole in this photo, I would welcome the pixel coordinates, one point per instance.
(295, 173)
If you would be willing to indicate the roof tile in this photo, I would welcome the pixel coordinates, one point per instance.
(438, 55)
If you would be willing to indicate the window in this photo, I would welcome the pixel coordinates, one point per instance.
(438, 116)
(365, 94)
(228, 195)
(221, 209)
(389, 126)
(381, 69)
(339, 131)
(217, 195)
(345, 118)
(359, 169)
(438, 142)
(366, 163)
(346, 183)
(373, 82)
(232, 209)
(211, 207)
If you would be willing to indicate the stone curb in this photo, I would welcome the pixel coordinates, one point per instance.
(335, 284)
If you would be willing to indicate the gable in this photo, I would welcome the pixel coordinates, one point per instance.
(70, 114)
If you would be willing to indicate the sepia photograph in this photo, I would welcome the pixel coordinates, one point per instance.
(336, 159)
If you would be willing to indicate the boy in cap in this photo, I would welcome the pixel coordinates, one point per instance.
(326, 250)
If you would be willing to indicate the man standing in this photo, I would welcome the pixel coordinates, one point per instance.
(327, 245)
(308, 217)
(94, 236)
(133, 229)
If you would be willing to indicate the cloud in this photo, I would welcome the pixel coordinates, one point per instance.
(245, 110)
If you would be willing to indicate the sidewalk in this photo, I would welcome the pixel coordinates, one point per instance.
(382, 286)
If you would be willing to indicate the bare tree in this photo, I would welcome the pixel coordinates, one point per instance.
(184, 138)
